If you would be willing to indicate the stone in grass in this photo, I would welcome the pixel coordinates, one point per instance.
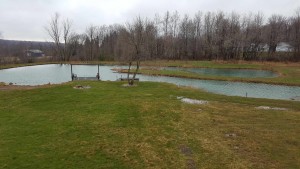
(193, 101)
(230, 135)
(270, 108)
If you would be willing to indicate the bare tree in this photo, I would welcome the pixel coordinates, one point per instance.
(136, 36)
(197, 36)
(73, 45)
(221, 33)
(275, 29)
(150, 40)
(167, 38)
(61, 30)
(214, 36)
(209, 22)
(100, 35)
(54, 32)
(67, 52)
(175, 19)
(91, 32)
(295, 35)
(253, 37)
(187, 35)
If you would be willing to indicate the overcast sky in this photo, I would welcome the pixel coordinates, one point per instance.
(26, 19)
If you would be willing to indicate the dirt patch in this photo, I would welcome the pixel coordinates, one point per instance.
(81, 87)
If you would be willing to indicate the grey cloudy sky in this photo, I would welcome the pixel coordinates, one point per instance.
(25, 19)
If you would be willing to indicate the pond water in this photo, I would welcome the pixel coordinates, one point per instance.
(56, 73)
(244, 73)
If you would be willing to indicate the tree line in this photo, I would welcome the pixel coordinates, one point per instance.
(172, 36)
(210, 35)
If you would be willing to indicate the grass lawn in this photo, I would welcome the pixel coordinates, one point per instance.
(110, 126)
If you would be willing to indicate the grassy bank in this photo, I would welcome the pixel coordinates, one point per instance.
(110, 126)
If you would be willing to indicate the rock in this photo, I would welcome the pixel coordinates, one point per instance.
(193, 101)
(230, 135)
(270, 108)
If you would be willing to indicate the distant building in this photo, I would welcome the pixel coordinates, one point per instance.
(284, 47)
(34, 53)
(281, 47)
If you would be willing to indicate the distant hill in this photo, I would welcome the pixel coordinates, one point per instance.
(16, 48)
(29, 44)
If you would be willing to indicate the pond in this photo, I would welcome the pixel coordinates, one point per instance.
(56, 73)
(244, 73)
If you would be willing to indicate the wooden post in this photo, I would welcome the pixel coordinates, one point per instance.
(98, 73)
(71, 72)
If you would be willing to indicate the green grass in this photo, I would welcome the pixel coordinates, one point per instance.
(110, 126)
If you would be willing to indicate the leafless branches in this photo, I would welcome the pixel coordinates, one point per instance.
(210, 35)
(63, 36)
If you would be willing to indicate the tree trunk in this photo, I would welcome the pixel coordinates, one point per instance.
(128, 72)
(131, 81)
